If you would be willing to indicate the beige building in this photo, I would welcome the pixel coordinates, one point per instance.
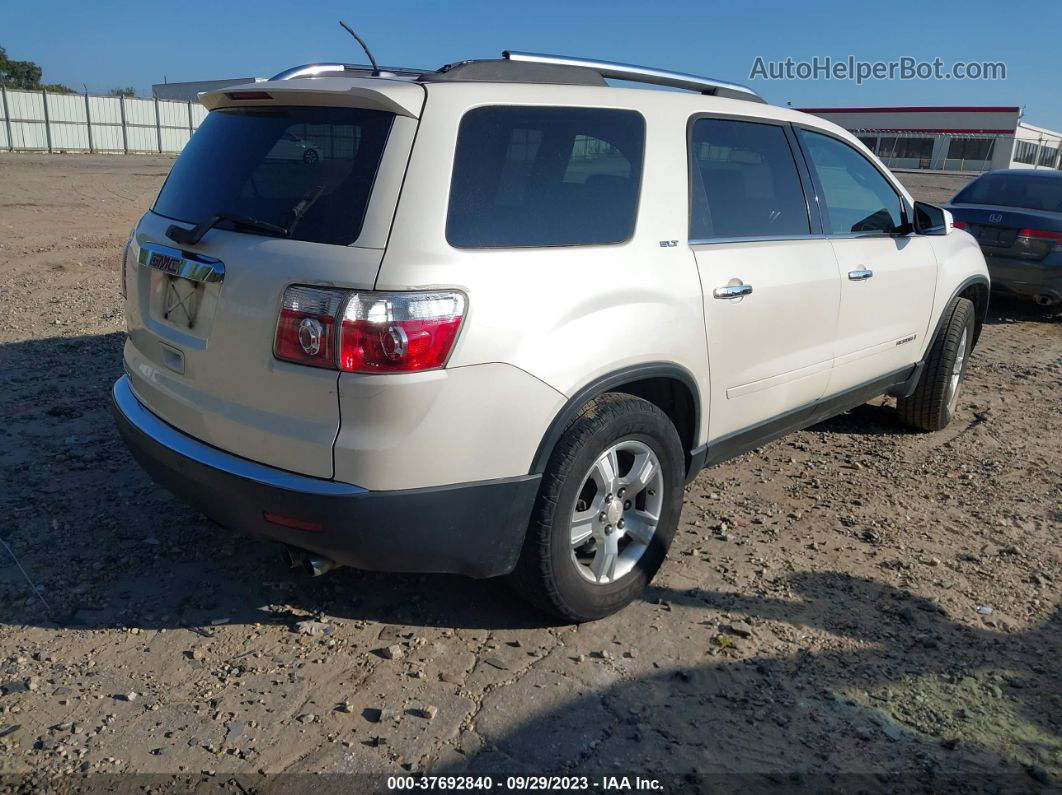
(966, 138)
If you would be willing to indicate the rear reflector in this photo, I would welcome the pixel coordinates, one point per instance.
(308, 525)
(248, 95)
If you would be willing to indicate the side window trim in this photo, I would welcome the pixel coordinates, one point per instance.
(807, 182)
(905, 209)
(693, 178)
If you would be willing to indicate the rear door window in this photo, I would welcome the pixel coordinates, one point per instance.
(532, 176)
(744, 182)
(308, 169)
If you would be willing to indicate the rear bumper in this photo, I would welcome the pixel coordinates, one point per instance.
(1028, 279)
(475, 529)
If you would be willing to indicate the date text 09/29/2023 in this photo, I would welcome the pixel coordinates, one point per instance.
(528, 783)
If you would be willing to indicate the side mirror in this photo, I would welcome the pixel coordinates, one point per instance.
(932, 220)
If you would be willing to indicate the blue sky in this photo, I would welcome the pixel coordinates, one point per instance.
(118, 43)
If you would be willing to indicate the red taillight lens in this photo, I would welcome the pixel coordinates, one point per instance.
(398, 332)
(1041, 234)
(307, 326)
(368, 332)
(959, 224)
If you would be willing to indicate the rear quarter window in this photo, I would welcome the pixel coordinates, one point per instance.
(308, 169)
(533, 176)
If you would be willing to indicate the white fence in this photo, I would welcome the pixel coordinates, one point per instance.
(36, 121)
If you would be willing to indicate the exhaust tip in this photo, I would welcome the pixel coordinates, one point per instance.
(1045, 299)
(317, 566)
(312, 564)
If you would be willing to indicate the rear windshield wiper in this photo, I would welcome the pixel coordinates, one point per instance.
(303, 206)
(189, 237)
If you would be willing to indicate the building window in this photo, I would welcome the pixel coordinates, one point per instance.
(906, 148)
(1047, 155)
(970, 149)
(1025, 152)
(870, 142)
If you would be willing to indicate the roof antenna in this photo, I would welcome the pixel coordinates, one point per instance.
(364, 46)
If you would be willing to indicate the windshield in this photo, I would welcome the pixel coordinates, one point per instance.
(1014, 190)
(307, 169)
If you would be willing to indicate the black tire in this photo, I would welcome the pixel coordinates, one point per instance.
(310, 156)
(547, 574)
(933, 403)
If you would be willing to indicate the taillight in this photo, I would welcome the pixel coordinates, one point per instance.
(1042, 234)
(306, 331)
(368, 332)
(398, 332)
(959, 224)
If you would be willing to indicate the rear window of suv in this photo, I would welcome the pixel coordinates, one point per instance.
(539, 176)
(307, 169)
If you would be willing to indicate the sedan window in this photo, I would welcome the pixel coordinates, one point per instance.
(1014, 190)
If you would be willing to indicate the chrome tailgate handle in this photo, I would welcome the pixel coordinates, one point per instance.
(732, 291)
(860, 275)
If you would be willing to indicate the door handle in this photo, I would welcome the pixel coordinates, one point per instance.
(860, 275)
(732, 291)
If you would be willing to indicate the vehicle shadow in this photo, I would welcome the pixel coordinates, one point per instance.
(869, 419)
(110, 549)
(920, 702)
(1003, 309)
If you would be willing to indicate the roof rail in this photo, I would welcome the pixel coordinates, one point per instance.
(643, 74)
(318, 69)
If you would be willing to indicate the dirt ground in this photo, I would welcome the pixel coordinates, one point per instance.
(853, 600)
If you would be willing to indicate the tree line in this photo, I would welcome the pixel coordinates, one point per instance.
(27, 76)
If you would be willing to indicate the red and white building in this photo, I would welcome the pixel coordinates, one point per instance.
(967, 138)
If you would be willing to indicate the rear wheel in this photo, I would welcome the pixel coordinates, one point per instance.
(607, 510)
(310, 156)
(932, 405)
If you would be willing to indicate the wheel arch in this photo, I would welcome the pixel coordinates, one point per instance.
(670, 387)
(976, 289)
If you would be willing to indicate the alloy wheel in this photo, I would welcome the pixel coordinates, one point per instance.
(616, 511)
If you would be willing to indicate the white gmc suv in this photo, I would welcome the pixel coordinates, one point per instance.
(507, 311)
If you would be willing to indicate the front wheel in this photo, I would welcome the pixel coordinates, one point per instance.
(932, 405)
(606, 512)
